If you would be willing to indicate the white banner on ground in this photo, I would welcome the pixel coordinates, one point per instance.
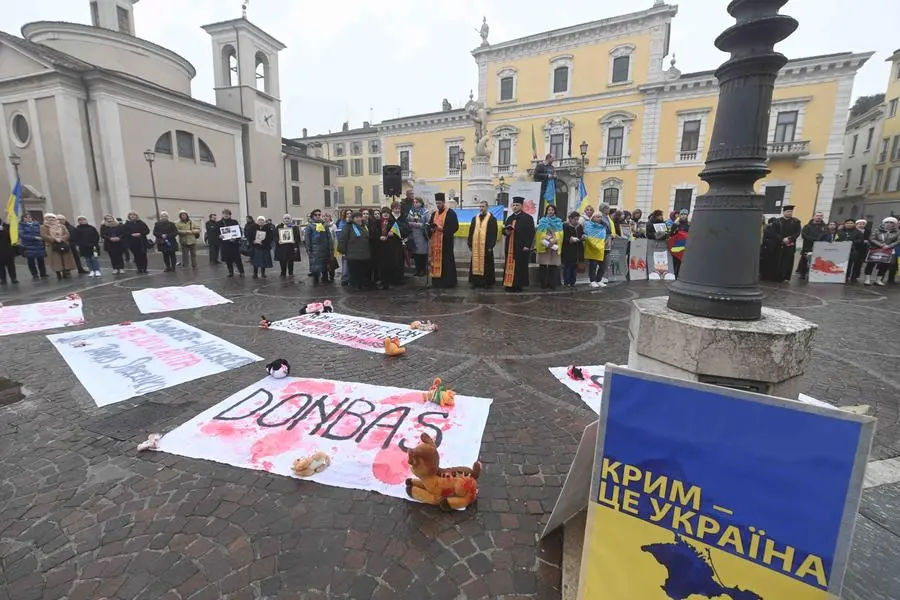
(590, 389)
(829, 261)
(43, 315)
(356, 332)
(118, 362)
(363, 428)
(165, 299)
(531, 191)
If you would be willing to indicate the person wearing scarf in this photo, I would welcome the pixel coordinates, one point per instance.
(572, 249)
(596, 234)
(318, 247)
(261, 236)
(519, 231)
(56, 242)
(287, 245)
(417, 220)
(354, 245)
(188, 233)
(389, 249)
(345, 220)
(443, 226)
(547, 243)
(482, 239)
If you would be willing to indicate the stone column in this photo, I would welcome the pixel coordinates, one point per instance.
(480, 184)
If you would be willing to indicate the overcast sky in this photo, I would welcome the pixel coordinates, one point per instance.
(361, 60)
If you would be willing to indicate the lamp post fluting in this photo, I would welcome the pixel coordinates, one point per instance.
(720, 275)
(150, 156)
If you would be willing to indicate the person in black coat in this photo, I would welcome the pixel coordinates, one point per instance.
(7, 255)
(261, 236)
(789, 229)
(572, 251)
(166, 234)
(136, 232)
(544, 172)
(74, 248)
(443, 226)
(656, 217)
(114, 242)
(230, 249)
(812, 232)
(389, 245)
(769, 262)
(353, 243)
(211, 238)
(482, 239)
(287, 245)
(519, 232)
(87, 239)
(856, 236)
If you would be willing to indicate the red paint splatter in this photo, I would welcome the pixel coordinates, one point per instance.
(267, 466)
(391, 466)
(307, 386)
(278, 443)
(404, 399)
(228, 430)
(374, 439)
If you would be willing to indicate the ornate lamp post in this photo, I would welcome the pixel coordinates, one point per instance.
(584, 149)
(502, 197)
(461, 162)
(150, 156)
(819, 180)
(719, 277)
(15, 160)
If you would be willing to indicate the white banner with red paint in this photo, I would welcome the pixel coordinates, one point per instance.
(363, 428)
(166, 299)
(590, 387)
(356, 332)
(43, 315)
(122, 361)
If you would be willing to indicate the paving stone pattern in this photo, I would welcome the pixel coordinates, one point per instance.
(83, 516)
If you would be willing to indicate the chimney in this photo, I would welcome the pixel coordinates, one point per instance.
(366, 124)
(345, 126)
(304, 132)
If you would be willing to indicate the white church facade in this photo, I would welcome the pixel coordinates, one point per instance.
(80, 105)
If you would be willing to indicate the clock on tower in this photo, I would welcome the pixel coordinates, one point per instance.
(265, 119)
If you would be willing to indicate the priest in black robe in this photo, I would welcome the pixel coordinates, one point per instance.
(519, 231)
(442, 226)
(482, 239)
(789, 229)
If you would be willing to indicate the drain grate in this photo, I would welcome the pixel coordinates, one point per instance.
(10, 392)
(144, 418)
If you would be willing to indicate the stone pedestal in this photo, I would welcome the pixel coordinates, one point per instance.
(765, 356)
(480, 185)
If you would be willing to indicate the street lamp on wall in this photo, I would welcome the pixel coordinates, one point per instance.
(15, 160)
(502, 197)
(150, 156)
(461, 162)
(819, 180)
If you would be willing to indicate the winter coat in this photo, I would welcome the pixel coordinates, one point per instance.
(651, 229)
(7, 250)
(813, 232)
(572, 252)
(250, 234)
(56, 260)
(355, 247)
(418, 232)
(285, 251)
(885, 239)
(136, 226)
(86, 238)
(319, 247)
(187, 232)
(114, 231)
(30, 239)
(169, 243)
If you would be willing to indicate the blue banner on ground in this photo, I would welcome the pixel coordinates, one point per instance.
(700, 491)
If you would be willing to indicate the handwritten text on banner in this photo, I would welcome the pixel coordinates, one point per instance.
(356, 332)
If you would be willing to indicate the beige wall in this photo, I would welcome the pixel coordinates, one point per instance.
(181, 183)
(15, 64)
(53, 156)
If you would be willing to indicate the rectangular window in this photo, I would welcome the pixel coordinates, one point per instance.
(847, 177)
(614, 141)
(895, 148)
(376, 194)
(404, 161)
(453, 158)
(263, 200)
(876, 186)
(853, 145)
(185, 143)
(95, 14)
(611, 196)
(338, 149)
(504, 153)
(892, 108)
(341, 168)
(786, 126)
(374, 165)
(295, 170)
(774, 198)
(690, 136)
(683, 198)
(356, 148)
(892, 183)
(869, 137)
(862, 175)
(327, 198)
(621, 66)
(560, 80)
(124, 20)
(295, 195)
(326, 175)
(506, 88)
(882, 154)
(356, 167)
(340, 195)
(357, 195)
(556, 145)
(374, 147)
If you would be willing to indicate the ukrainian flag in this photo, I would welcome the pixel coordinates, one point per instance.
(396, 229)
(550, 192)
(583, 195)
(13, 210)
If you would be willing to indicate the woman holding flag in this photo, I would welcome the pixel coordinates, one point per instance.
(547, 244)
(595, 236)
(389, 246)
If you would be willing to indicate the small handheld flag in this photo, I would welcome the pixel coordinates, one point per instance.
(13, 210)
(395, 228)
(583, 195)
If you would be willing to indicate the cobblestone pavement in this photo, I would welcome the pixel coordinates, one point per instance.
(82, 516)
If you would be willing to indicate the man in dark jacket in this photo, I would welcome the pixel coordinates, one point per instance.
(789, 230)
(211, 238)
(812, 232)
(850, 233)
(544, 172)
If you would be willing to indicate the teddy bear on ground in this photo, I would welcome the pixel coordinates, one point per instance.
(317, 308)
(312, 464)
(440, 394)
(451, 489)
(392, 347)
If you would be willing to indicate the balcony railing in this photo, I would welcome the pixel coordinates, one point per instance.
(614, 161)
(688, 156)
(453, 172)
(569, 165)
(794, 149)
(503, 170)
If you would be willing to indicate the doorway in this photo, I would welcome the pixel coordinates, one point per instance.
(562, 200)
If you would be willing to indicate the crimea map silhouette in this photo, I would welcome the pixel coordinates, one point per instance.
(690, 574)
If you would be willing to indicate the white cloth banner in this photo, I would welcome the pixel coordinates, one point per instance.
(165, 299)
(590, 389)
(363, 428)
(829, 261)
(118, 362)
(43, 315)
(356, 332)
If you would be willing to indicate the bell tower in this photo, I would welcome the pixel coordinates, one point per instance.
(117, 15)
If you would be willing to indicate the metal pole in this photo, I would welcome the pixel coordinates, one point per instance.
(153, 183)
(462, 165)
(720, 275)
(816, 203)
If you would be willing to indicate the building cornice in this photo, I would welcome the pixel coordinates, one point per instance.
(577, 35)
(39, 31)
(876, 113)
(429, 122)
(340, 136)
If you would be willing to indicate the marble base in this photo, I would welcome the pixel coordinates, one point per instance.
(765, 356)
(480, 185)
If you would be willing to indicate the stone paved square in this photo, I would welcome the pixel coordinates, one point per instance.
(83, 515)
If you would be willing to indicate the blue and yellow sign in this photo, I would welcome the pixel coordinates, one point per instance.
(705, 492)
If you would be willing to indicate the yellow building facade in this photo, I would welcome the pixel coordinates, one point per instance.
(885, 186)
(647, 126)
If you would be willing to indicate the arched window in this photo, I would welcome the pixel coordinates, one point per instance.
(164, 144)
(262, 72)
(230, 64)
(206, 154)
(185, 141)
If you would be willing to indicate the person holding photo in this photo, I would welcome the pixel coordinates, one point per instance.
(287, 245)
(260, 235)
(230, 247)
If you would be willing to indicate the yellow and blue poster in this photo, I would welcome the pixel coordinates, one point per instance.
(703, 492)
